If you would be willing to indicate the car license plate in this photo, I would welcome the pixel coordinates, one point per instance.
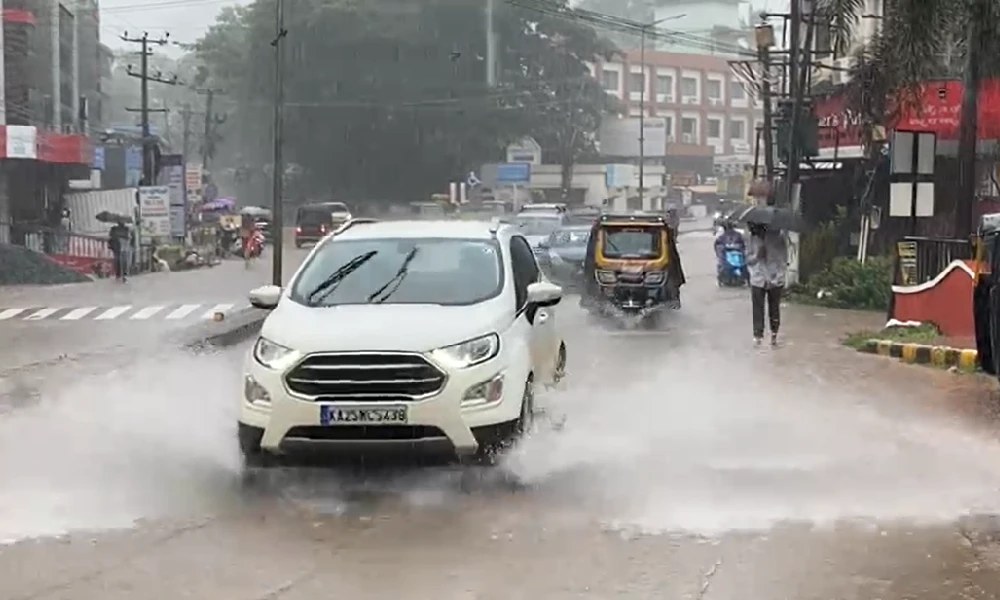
(362, 415)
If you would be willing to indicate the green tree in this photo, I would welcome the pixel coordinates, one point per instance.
(386, 99)
(918, 40)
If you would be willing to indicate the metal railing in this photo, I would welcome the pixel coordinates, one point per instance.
(79, 248)
(921, 259)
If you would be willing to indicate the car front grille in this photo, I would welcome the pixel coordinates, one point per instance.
(365, 377)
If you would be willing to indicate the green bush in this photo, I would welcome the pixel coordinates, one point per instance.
(846, 283)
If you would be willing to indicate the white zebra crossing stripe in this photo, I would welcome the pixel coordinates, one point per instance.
(210, 313)
(113, 313)
(78, 313)
(41, 314)
(146, 313)
(183, 311)
(10, 313)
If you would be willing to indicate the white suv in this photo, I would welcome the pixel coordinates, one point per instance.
(405, 333)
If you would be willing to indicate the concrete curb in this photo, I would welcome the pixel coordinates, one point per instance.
(235, 328)
(923, 354)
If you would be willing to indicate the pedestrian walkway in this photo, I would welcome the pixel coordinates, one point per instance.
(125, 312)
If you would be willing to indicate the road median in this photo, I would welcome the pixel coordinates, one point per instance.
(226, 330)
(963, 359)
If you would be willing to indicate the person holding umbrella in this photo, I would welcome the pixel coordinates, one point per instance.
(767, 262)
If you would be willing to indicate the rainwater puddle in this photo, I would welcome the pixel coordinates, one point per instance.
(689, 447)
(123, 441)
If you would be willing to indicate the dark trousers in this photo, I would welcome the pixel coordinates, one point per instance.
(119, 262)
(772, 297)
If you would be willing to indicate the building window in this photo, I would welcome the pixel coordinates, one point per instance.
(689, 126)
(665, 85)
(689, 87)
(713, 89)
(714, 129)
(736, 91)
(668, 127)
(635, 82)
(738, 130)
(609, 80)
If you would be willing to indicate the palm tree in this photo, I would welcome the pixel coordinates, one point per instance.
(920, 40)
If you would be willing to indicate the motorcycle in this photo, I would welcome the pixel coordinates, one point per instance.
(732, 270)
(254, 248)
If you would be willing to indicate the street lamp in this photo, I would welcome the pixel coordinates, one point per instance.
(642, 102)
(277, 177)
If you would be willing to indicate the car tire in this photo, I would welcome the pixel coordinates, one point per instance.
(498, 439)
(559, 372)
(250, 451)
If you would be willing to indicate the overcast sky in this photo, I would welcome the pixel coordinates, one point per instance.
(184, 20)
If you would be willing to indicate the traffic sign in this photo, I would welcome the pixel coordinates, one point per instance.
(514, 173)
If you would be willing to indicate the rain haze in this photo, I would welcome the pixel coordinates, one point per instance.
(505, 298)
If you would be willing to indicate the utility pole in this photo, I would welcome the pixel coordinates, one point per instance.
(148, 168)
(642, 119)
(211, 121)
(796, 84)
(491, 46)
(277, 225)
(186, 115)
(764, 37)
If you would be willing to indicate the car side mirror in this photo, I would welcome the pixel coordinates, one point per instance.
(266, 296)
(544, 294)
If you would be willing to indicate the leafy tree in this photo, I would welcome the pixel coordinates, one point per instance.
(918, 40)
(386, 99)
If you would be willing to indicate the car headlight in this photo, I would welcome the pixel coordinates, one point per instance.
(607, 277)
(469, 353)
(273, 356)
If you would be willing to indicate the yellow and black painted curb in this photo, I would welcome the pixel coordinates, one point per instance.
(922, 354)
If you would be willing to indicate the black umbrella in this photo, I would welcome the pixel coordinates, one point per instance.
(772, 216)
(109, 217)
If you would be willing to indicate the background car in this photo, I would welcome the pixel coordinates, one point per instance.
(563, 253)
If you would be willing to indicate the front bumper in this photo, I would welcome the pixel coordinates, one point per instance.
(291, 423)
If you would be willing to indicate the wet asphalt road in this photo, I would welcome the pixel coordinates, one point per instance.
(691, 465)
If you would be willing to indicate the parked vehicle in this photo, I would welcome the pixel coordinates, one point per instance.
(562, 255)
(443, 330)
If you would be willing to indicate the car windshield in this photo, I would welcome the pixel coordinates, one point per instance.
(631, 242)
(314, 216)
(570, 238)
(444, 271)
(538, 225)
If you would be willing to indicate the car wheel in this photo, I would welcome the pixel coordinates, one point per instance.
(250, 451)
(560, 370)
(526, 420)
(496, 440)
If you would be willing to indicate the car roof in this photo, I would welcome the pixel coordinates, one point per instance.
(577, 227)
(421, 228)
(323, 204)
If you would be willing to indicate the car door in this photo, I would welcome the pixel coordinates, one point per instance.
(544, 338)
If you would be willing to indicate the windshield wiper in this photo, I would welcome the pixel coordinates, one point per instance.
(329, 284)
(382, 294)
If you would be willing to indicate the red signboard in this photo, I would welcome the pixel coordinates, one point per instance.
(839, 126)
(53, 147)
(937, 109)
(18, 15)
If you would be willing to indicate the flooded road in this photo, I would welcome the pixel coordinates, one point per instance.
(691, 465)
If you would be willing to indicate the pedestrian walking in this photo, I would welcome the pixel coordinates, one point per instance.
(767, 261)
(119, 242)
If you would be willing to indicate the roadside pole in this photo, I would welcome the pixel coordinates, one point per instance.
(277, 207)
(148, 168)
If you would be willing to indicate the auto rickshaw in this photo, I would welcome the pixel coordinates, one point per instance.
(986, 293)
(632, 267)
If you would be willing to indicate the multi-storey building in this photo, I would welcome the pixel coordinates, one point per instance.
(51, 81)
(697, 110)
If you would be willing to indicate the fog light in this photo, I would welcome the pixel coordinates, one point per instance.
(254, 393)
(486, 392)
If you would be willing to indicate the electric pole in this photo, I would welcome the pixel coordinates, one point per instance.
(277, 225)
(211, 121)
(148, 168)
(764, 37)
(186, 115)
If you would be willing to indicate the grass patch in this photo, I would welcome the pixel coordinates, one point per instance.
(920, 334)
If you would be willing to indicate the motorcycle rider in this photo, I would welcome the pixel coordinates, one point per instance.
(729, 236)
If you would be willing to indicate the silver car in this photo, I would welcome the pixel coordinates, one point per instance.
(562, 254)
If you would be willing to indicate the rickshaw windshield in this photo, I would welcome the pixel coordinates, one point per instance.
(631, 242)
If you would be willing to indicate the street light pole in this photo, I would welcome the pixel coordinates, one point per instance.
(277, 206)
(642, 118)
